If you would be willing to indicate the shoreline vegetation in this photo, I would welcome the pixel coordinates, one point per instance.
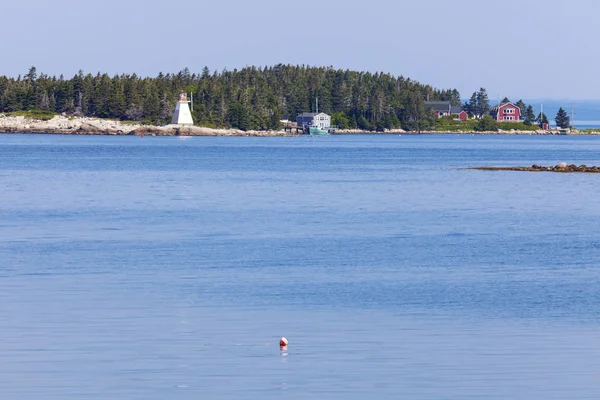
(250, 101)
(50, 123)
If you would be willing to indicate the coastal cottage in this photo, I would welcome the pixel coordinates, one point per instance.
(320, 120)
(506, 112)
(444, 109)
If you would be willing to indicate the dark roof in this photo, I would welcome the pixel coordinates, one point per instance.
(437, 102)
(440, 106)
(495, 108)
(443, 106)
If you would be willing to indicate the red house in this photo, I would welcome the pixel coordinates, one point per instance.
(506, 112)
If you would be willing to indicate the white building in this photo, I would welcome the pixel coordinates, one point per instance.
(320, 120)
(182, 115)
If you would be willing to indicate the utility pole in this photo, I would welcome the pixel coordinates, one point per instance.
(572, 116)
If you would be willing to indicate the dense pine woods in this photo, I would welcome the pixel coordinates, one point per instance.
(251, 98)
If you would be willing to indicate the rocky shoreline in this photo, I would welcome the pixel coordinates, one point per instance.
(64, 125)
(69, 125)
(561, 167)
(429, 132)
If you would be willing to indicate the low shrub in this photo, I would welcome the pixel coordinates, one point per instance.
(33, 114)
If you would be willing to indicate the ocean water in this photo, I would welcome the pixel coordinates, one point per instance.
(162, 268)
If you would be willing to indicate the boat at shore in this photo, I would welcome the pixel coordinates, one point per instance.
(319, 122)
(315, 130)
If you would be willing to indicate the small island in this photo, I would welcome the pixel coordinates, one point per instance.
(561, 167)
(258, 102)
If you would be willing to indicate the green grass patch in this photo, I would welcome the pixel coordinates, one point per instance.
(33, 114)
(519, 126)
(448, 124)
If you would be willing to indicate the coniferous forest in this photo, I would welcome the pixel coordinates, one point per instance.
(252, 98)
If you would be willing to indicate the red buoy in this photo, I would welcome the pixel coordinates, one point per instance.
(283, 342)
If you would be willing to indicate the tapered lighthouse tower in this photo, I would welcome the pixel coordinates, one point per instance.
(182, 115)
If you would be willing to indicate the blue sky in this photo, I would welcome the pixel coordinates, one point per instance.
(526, 48)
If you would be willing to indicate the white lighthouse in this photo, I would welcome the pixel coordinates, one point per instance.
(182, 115)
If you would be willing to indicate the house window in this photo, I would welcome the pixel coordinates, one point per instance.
(509, 111)
(509, 118)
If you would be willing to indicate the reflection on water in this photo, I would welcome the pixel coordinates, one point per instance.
(162, 268)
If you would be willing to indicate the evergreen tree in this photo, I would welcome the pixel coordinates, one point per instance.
(32, 74)
(455, 98)
(166, 110)
(205, 73)
(116, 99)
(542, 119)
(44, 102)
(483, 103)
(472, 107)
(562, 119)
(151, 106)
(522, 106)
(529, 113)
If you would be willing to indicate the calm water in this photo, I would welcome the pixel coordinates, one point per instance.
(162, 268)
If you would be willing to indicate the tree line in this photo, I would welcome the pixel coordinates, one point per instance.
(251, 98)
(479, 106)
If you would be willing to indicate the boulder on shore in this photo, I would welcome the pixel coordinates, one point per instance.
(148, 130)
(87, 128)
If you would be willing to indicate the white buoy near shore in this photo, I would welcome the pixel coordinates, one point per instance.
(283, 342)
